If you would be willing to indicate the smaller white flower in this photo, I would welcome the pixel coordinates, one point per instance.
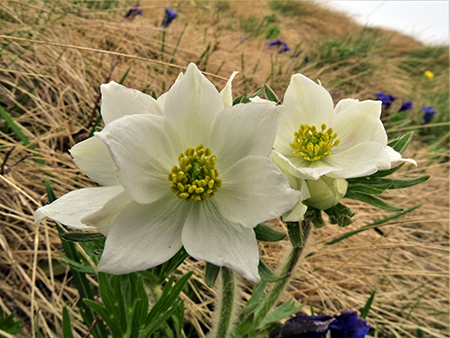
(326, 192)
(315, 138)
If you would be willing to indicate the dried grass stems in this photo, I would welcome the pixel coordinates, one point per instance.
(50, 89)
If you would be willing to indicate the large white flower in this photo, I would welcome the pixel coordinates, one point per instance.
(189, 172)
(315, 138)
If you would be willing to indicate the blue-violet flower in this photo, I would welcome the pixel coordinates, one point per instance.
(133, 12)
(406, 105)
(429, 113)
(168, 17)
(278, 42)
(386, 99)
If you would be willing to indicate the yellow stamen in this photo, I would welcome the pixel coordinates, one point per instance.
(312, 144)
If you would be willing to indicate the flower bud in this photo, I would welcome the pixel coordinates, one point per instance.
(325, 192)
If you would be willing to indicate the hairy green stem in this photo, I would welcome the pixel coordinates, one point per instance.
(274, 294)
(226, 304)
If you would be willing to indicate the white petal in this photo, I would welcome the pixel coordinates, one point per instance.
(210, 237)
(191, 106)
(361, 160)
(104, 218)
(93, 158)
(144, 236)
(142, 151)
(226, 93)
(257, 99)
(359, 123)
(395, 156)
(71, 208)
(312, 173)
(243, 130)
(162, 98)
(119, 101)
(306, 102)
(297, 214)
(253, 191)
(344, 104)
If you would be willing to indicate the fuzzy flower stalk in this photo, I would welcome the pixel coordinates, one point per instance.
(184, 170)
(316, 139)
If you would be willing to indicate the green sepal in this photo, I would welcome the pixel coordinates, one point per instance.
(376, 202)
(271, 96)
(211, 273)
(266, 274)
(267, 234)
(365, 310)
(401, 143)
(340, 215)
(315, 216)
(66, 324)
(372, 225)
(295, 234)
(83, 237)
(237, 100)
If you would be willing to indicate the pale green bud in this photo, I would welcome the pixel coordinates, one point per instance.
(325, 192)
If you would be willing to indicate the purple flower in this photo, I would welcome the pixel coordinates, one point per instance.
(168, 17)
(386, 99)
(278, 42)
(133, 12)
(345, 325)
(429, 113)
(406, 105)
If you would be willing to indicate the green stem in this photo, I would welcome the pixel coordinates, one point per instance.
(274, 294)
(226, 308)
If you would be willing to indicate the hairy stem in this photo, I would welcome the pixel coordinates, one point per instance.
(227, 302)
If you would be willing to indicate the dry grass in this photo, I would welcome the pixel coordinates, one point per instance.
(58, 53)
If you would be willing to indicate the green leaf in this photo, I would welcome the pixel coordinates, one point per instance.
(419, 333)
(266, 274)
(121, 81)
(271, 96)
(9, 325)
(340, 215)
(376, 202)
(83, 237)
(295, 234)
(96, 125)
(384, 173)
(78, 266)
(66, 325)
(371, 225)
(315, 215)
(237, 100)
(211, 273)
(364, 188)
(267, 234)
(255, 94)
(400, 184)
(154, 95)
(254, 299)
(374, 182)
(365, 310)
(401, 143)
(285, 310)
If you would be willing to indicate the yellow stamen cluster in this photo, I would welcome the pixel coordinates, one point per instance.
(196, 177)
(312, 144)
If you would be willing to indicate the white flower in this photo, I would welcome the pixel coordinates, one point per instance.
(315, 138)
(198, 176)
(326, 192)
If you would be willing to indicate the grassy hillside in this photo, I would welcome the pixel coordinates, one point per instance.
(55, 54)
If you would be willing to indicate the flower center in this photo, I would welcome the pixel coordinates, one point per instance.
(196, 177)
(312, 144)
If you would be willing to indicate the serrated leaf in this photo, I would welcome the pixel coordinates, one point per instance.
(371, 225)
(295, 234)
(376, 202)
(340, 215)
(267, 234)
(401, 143)
(211, 273)
(285, 310)
(271, 96)
(400, 184)
(83, 237)
(365, 310)
(266, 274)
(66, 324)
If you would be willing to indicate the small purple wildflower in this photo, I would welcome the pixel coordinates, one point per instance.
(345, 325)
(168, 17)
(406, 105)
(219, 8)
(278, 42)
(429, 113)
(386, 99)
(133, 12)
